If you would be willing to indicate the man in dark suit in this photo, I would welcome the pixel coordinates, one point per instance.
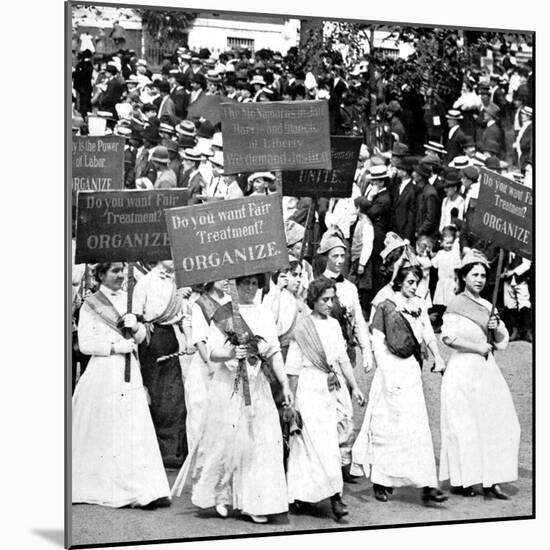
(337, 87)
(397, 129)
(167, 109)
(428, 204)
(379, 212)
(113, 93)
(404, 206)
(456, 138)
(492, 132)
(179, 95)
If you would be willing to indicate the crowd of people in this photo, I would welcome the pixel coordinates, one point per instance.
(259, 424)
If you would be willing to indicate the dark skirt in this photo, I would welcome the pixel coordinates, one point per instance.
(164, 383)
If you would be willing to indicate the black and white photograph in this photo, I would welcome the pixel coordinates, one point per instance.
(300, 273)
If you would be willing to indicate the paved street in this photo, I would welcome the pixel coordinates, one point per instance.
(96, 525)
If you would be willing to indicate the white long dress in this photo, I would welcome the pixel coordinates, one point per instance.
(198, 376)
(394, 446)
(238, 460)
(480, 430)
(116, 459)
(314, 470)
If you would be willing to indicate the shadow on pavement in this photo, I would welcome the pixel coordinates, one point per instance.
(56, 536)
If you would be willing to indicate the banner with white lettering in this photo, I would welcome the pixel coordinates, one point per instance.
(504, 213)
(124, 226)
(97, 163)
(227, 239)
(275, 135)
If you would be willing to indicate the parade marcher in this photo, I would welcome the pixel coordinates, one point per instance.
(523, 144)
(201, 369)
(394, 447)
(113, 88)
(190, 175)
(319, 368)
(82, 82)
(257, 183)
(220, 186)
(157, 301)
(517, 301)
(115, 455)
(166, 177)
(424, 254)
(294, 233)
(238, 460)
(479, 427)
(348, 312)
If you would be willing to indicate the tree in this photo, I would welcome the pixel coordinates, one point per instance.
(166, 26)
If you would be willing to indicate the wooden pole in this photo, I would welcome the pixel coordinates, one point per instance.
(242, 373)
(128, 332)
(495, 291)
(310, 226)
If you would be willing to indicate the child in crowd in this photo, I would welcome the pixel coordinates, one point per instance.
(446, 261)
(424, 253)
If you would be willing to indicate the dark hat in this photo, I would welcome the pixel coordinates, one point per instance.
(181, 79)
(521, 93)
(206, 130)
(493, 163)
(452, 178)
(431, 160)
(399, 149)
(149, 107)
(170, 145)
(186, 142)
(162, 86)
(423, 170)
(404, 163)
(160, 154)
(111, 68)
(471, 172)
(492, 110)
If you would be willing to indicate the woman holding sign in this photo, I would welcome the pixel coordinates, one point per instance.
(116, 457)
(238, 459)
(479, 426)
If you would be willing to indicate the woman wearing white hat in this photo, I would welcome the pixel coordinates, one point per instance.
(479, 425)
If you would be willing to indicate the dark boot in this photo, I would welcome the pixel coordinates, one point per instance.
(525, 323)
(513, 322)
(380, 493)
(432, 494)
(338, 508)
(347, 476)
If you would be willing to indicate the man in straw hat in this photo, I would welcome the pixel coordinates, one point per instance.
(456, 138)
(221, 187)
(347, 310)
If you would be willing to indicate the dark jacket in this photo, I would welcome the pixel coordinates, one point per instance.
(455, 145)
(112, 95)
(428, 211)
(404, 212)
(379, 213)
(180, 97)
(493, 133)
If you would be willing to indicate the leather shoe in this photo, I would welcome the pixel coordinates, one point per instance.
(162, 502)
(380, 493)
(338, 509)
(464, 491)
(495, 491)
(431, 494)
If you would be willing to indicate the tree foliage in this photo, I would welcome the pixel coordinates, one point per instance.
(166, 26)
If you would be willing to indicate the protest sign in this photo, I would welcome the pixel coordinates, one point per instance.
(208, 107)
(97, 163)
(337, 182)
(227, 239)
(124, 226)
(281, 135)
(504, 213)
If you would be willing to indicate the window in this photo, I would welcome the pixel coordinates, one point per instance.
(234, 43)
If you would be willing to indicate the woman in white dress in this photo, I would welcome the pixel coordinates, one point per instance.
(116, 457)
(201, 368)
(480, 431)
(318, 366)
(394, 447)
(238, 459)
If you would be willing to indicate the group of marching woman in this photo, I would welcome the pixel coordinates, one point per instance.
(260, 417)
